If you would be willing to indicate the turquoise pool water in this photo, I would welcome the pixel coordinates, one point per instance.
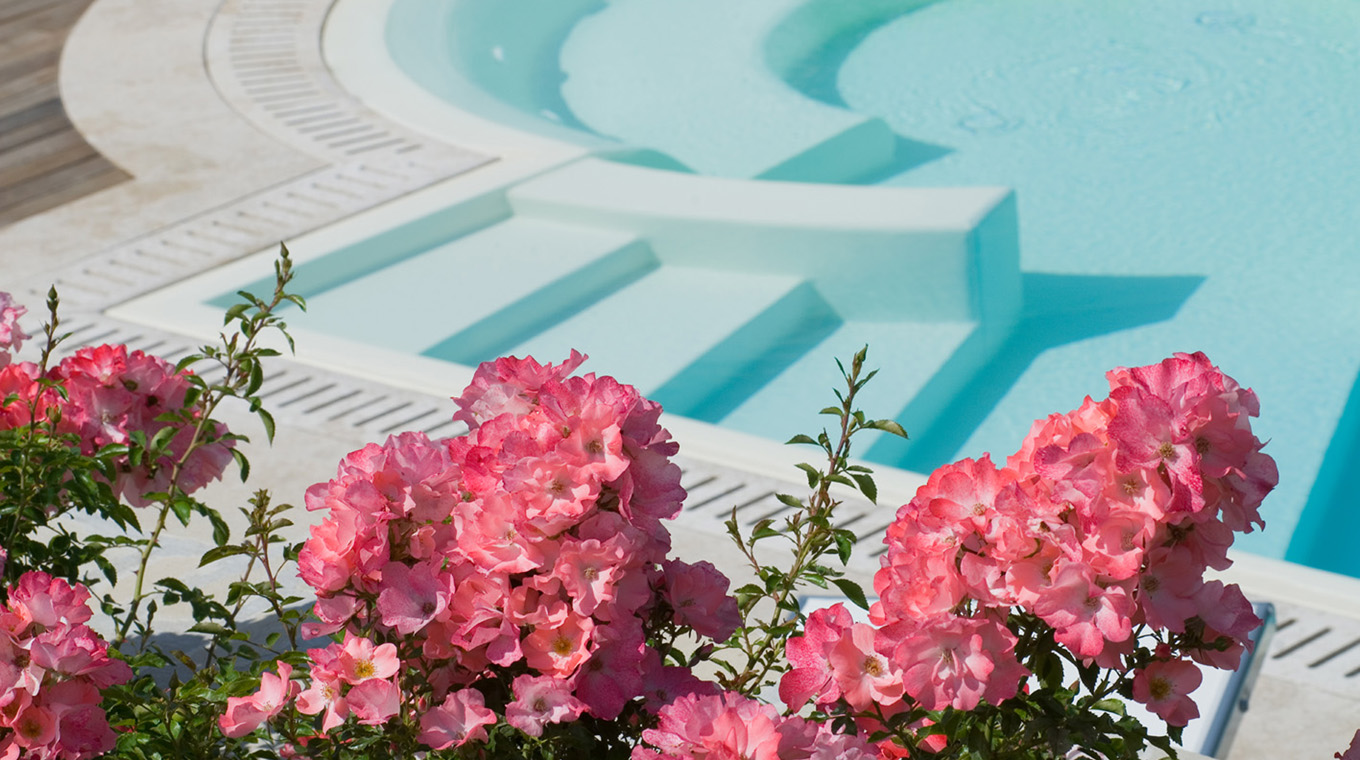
(1187, 177)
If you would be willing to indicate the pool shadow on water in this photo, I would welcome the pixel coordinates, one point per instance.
(1058, 309)
(907, 155)
(1325, 535)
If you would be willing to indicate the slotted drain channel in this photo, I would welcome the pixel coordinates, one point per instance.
(265, 58)
(1315, 647)
(714, 492)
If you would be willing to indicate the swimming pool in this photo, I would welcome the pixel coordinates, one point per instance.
(1183, 176)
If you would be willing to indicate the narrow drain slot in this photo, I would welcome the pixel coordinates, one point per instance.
(1336, 653)
(375, 146)
(336, 400)
(847, 523)
(282, 388)
(1301, 644)
(700, 484)
(756, 500)
(783, 509)
(715, 497)
(405, 422)
(365, 405)
(379, 416)
(446, 423)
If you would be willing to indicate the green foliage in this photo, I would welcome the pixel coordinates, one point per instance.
(171, 707)
(770, 608)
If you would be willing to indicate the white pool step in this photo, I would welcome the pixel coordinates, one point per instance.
(682, 334)
(698, 88)
(909, 356)
(476, 294)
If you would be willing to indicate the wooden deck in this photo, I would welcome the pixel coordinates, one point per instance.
(44, 162)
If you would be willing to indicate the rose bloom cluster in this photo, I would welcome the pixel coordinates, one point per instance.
(52, 668)
(514, 573)
(110, 394)
(721, 726)
(1101, 527)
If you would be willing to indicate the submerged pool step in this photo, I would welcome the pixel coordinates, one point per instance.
(689, 337)
(918, 363)
(480, 294)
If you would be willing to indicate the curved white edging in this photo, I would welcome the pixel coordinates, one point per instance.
(355, 50)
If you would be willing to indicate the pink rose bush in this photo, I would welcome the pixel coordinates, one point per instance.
(1095, 536)
(528, 553)
(52, 669)
(116, 397)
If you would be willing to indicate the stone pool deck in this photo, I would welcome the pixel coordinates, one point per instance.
(235, 137)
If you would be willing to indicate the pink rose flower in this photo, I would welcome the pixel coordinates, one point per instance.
(461, 718)
(540, 700)
(698, 595)
(1165, 686)
(245, 714)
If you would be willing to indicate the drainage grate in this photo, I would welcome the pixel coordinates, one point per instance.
(715, 491)
(265, 58)
(1315, 647)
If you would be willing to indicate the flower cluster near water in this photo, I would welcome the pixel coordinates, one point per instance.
(509, 592)
(528, 554)
(1095, 537)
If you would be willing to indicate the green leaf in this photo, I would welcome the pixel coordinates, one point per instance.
(1115, 706)
(866, 486)
(256, 378)
(814, 475)
(183, 509)
(834, 411)
(789, 501)
(267, 420)
(888, 426)
(162, 438)
(845, 544)
(852, 592)
(173, 584)
(221, 533)
(800, 438)
(234, 313)
(762, 530)
(220, 552)
(242, 463)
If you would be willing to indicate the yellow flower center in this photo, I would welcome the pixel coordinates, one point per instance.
(1160, 688)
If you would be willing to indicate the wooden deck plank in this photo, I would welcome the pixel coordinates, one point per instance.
(63, 185)
(44, 161)
(31, 123)
(49, 152)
